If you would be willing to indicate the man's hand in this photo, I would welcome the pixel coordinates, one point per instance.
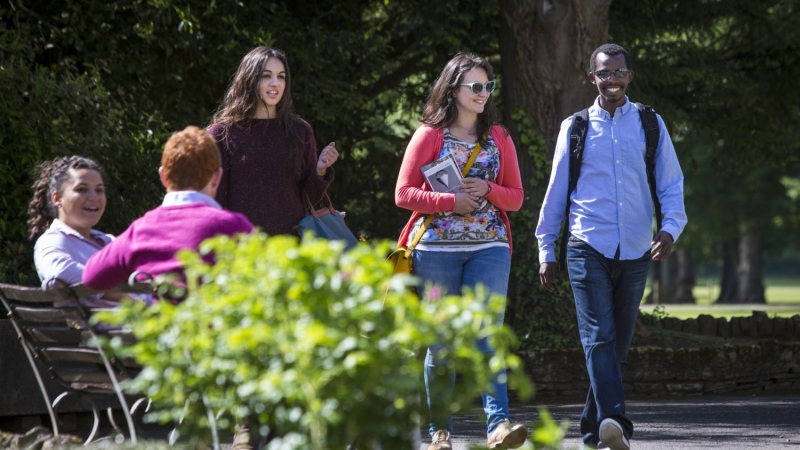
(547, 275)
(661, 246)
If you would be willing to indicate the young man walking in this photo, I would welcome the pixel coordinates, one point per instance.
(610, 234)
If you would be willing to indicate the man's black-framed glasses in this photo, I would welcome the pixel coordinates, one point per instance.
(619, 73)
(477, 87)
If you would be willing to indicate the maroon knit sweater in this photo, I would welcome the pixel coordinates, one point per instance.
(259, 178)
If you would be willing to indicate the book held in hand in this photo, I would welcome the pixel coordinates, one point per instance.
(443, 174)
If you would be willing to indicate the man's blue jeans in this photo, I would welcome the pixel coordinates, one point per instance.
(607, 297)
(452, 271)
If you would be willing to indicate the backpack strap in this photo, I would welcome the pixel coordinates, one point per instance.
(651, 136)
(577, 142)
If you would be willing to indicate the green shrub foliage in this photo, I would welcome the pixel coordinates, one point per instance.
(310, 345)
(542, 319)
(361, 73)
(52, 111)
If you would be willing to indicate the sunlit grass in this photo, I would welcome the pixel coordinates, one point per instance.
(783, 300)
(777, 290)
(728, 311)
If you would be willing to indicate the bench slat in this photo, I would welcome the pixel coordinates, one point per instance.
(48, 314)
(56, 336)
(59, 335)
(32, 294)
(77, 354)
(77, 376)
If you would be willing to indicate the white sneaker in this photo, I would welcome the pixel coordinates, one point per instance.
(612, 436)
(600, 446)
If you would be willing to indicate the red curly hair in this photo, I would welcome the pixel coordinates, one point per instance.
(190, 159)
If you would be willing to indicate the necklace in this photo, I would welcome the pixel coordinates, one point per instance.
(471, 132)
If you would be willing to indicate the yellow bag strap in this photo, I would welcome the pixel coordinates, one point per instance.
(429, 219)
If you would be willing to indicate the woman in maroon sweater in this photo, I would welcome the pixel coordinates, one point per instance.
(269, 155)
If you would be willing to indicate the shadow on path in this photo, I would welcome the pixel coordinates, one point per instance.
(721, 422)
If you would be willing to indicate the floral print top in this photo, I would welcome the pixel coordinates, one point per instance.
(479, 229)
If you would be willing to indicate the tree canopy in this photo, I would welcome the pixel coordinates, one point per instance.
(111, 80)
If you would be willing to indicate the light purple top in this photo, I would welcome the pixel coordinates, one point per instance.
(61, 252)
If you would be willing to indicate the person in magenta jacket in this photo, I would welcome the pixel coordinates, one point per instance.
(469, 240)
(190, 170)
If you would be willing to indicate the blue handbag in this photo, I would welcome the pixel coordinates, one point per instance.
(326, 223)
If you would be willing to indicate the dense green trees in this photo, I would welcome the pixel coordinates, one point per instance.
(53, 109)
(724, 75)
(110, 80)
(361, 72)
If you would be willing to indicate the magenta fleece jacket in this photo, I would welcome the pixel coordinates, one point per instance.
(150, 243)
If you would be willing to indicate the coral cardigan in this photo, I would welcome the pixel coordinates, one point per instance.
(413, 193)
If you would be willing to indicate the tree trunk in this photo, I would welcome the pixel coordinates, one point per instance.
(545, 46)
(685, 277)
(672, 280)
(728, 281)
(655, 283)
(751, 270)
(665, 285)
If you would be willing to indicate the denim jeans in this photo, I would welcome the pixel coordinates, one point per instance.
(452, 271)
(607, 297)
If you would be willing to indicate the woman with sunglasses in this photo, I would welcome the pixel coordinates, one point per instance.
(269, 154)
(469, 240)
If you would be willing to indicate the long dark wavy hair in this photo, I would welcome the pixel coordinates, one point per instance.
(440, 109)
(50, 177)
(241, 101)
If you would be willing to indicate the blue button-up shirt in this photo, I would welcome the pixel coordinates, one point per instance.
(611, 206)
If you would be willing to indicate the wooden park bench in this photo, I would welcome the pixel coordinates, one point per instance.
(60, 344)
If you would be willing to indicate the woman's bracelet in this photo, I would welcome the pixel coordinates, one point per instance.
(490, 189)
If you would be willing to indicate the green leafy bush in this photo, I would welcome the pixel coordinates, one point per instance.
(57, 110)
(305, 343)
(540, 318)
(548, 434)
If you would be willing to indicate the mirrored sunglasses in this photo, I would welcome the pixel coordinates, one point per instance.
(619, 73)
(477, 87)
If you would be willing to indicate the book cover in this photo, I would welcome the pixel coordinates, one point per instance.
(443, 174)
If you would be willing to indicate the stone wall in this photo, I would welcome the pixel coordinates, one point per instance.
(762, 366)
(765, 366)
(757, 326)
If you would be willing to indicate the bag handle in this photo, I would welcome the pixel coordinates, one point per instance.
(430, 218)
(317, 213)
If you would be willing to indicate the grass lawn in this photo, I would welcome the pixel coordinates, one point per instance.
(778, 290)
(783, 300)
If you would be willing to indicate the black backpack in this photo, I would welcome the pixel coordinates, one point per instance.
(577, 140)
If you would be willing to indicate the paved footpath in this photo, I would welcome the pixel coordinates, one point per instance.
(720, 422)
